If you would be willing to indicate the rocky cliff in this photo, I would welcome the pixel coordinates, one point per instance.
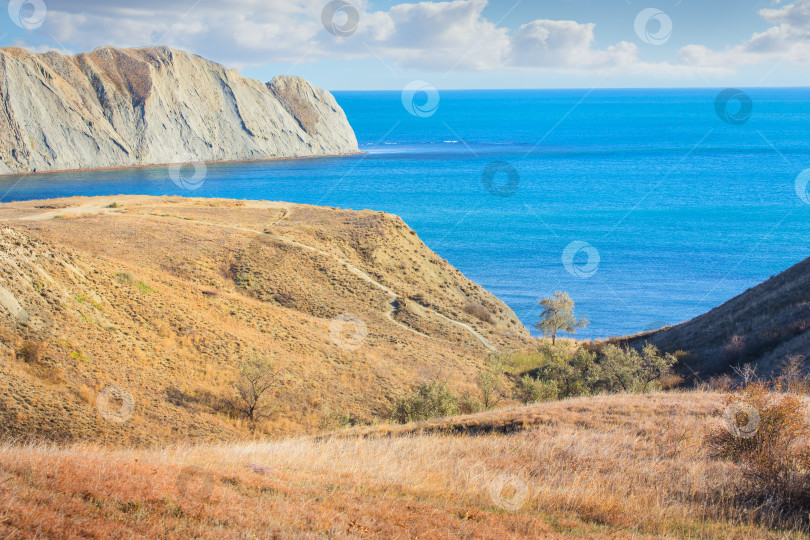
(124, 107)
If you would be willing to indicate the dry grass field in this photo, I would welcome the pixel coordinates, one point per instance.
(626, 466)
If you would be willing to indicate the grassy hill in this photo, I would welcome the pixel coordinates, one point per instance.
(153, 302)
(124, 320)
(763, 326)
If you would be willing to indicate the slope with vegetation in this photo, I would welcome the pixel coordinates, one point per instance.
(145, 341)
(133, 320)
(762, 326)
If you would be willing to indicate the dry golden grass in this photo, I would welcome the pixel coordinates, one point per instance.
(617, 466)
(162, 297)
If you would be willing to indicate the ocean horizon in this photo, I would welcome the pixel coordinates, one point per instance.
(648, 206)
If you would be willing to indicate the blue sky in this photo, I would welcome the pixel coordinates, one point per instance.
(458, 44)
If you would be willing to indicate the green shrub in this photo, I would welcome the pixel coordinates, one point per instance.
(125, 278)
(531, 390)
(430, 399)
(143, 287)
(490, 382)
(571, 372)
(626, 370)
(553, 372)
(468, 404)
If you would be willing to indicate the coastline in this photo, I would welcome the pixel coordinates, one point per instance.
(159, 165)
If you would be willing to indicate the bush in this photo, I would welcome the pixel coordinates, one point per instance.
(428, 400)
(626, 370)
(570, 372)
(478, 311)
(556, 372)
(531, 390)
(765, 433)
(30, 351)
(468, 404)
(490, 382)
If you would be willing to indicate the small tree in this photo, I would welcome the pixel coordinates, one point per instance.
(255, 380)
(654, 366)
(558, 316)
(490, 383)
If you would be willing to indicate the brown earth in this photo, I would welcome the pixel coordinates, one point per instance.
(162, 297)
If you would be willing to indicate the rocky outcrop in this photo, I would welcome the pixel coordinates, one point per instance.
(124, 107)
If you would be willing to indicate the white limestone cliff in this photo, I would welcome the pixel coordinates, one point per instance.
(125, 107)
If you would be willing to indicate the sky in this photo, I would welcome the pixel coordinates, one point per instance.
(459, 44)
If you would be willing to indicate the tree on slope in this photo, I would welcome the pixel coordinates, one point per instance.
(558, 316)
(256, 378)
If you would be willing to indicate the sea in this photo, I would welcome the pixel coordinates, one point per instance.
(648, 207)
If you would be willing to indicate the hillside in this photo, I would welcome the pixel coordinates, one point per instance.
(123, 107)
(625, 466)
(162, 297)
(763, 325)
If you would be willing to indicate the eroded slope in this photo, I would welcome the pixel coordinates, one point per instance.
(122, 107)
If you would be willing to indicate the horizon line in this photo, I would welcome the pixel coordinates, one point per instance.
(586, 88)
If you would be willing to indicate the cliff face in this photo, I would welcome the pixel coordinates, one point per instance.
(123, 107)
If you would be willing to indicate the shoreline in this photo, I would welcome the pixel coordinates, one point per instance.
(160, 165)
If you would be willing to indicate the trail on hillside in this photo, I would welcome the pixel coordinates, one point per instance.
(392, 295)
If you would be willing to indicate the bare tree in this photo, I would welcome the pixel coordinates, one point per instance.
(791, 373)
(255, 379)
(747, 373)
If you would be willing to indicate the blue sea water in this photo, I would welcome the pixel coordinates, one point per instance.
(682, 209)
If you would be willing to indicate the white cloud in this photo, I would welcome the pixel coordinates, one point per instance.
(566, 44)
(788, 39)
(437, 35)
(426, 35)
